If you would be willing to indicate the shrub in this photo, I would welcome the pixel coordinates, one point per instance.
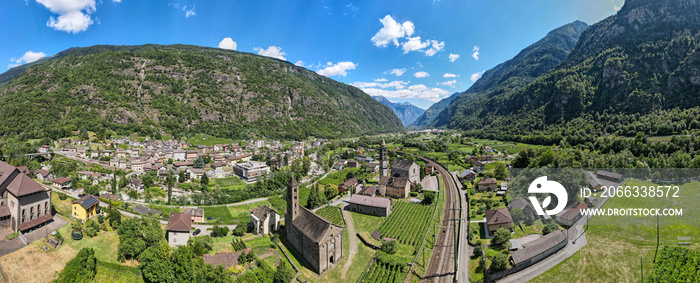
(499, 262)
(62, 196)
(12, 236)
(549, 228)
(239, 230)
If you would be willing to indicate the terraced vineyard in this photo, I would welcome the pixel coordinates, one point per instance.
(381, 272)
(332, 214)
(407, 222)
(238, 245)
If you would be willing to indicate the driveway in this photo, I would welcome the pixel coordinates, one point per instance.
(8, 246)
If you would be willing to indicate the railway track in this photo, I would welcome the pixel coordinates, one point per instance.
(442, 263)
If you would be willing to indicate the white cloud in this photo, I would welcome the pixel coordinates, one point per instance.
(299, 63)
(476, 53)
(449, 83)
(414, 44)
(397, 72)
(449, 75)
(188, 10)
(271, 51)
(28, 57)
(117, 1)
(435, 47)
(73, 16)
(454, 57)
(415, 91)
(228, 43)
(421, 74)
(476, 76)
(392, 84)
(380, 80)
(338, 69)
(392, 31)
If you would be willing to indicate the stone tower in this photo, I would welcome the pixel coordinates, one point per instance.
(383, 161)
(292, 202)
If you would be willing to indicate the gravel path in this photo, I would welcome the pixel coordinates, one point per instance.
(353, 241)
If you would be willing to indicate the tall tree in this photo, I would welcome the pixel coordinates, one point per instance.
(170, 182)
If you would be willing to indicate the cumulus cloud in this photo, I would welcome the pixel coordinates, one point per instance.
(454, 57)
(413, 44)
(435, 46)
(271, 51)
(397, 72)
(476, 53)
(392, 31)
(73, 16)
(449, 75)
(381, 80)
(338, 69)
(476, 76)
(117, 1)
(375, 84)
(28, 57)
(421, 74)
(433, 94)
(449, 83)
(228, 43)
(299, 63)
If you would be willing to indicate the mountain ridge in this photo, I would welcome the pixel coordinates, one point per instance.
(407, 112)
(182, 90)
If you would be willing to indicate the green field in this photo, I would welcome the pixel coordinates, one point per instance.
(366, 223)
(509, 147)
(332, 214)
(232, 181)
(112, 272)
(208, 140)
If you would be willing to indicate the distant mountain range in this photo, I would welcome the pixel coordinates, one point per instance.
(434, 110)
(181, 90)
(407, 112)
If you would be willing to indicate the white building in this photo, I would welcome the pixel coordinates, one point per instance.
(250, 171)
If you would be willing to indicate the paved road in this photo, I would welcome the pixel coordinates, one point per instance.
(353, 240)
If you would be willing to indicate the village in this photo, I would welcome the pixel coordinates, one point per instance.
(377, 202)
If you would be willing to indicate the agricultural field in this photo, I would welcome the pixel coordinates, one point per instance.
(332, 214)
(238, 245)
(380, 272)
(233, 182)
(509, 147)
(407, 222)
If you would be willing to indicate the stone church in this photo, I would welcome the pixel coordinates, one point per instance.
(316, 239)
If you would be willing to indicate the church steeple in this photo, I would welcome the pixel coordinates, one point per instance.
(383, 160)
(292, 200)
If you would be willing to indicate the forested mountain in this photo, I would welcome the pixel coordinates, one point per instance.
(180, 90)
(407, 112)
(635, 72)
(492, 88)
(434, 110)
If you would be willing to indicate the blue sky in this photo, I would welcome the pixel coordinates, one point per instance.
(415, 51)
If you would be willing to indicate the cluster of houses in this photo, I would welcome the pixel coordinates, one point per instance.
(154, 155)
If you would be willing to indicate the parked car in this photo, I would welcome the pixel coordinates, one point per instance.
(81, 195)
(196, 232)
